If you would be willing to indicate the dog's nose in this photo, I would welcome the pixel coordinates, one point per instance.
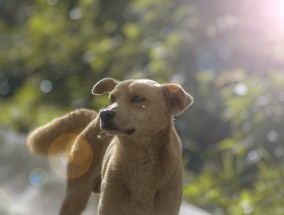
(107, 115)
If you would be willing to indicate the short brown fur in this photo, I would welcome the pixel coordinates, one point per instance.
(136, 163)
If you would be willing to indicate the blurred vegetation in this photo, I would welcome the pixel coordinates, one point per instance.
(228, 54)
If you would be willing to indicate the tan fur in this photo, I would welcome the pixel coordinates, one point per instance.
(136, 162)
(39, 140)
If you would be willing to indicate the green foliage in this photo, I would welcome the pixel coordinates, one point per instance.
(59, 49)
(222, 195)
(243, 173)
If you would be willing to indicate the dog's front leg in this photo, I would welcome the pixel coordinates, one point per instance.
(137, 209)
(114, 197)
(112, 202)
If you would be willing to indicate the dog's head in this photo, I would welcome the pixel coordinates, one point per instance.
(140, 106)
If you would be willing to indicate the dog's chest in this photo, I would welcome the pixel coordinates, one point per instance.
(142, 179)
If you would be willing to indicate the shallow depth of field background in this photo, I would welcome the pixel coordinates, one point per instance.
(228, 54)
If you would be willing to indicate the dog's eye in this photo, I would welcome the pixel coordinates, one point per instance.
(111, 99)
(138, 99)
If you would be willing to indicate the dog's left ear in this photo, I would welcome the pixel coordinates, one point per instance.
(177, 100)
(104, 85)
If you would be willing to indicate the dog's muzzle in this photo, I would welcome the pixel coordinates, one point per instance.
(107, 124)
(106, 120)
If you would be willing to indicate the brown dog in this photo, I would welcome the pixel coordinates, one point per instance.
(130, 152)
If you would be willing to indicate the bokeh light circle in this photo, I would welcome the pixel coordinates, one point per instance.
(46, 86)
(72, 151)
(38, 177)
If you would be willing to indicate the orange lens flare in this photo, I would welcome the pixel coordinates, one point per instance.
(77, 155)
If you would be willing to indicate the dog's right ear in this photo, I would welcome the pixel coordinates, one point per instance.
(177, 99)
(104, 85)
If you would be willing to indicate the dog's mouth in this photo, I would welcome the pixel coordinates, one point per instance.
(130, 131)
(108, 127)
(112, 129)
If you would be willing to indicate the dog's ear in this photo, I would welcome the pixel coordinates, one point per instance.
(177, 100)
(104, 85)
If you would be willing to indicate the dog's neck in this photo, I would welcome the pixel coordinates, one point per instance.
(146, 148)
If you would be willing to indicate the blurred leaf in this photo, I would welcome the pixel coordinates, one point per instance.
(131, 30)
(226, 144)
